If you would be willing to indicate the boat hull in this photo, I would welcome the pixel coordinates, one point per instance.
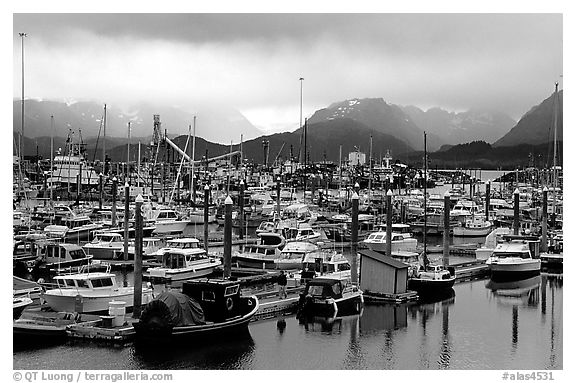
(428, 287)
(170, 227)
(460, 231)
(234, 326)
(91, 303)
(170, 275)
(309, 307)
(510, 271)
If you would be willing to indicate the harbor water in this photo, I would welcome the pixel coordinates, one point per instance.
(482, 326)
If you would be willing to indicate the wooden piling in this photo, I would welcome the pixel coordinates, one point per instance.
(206, 197)
(389, 223)
(138, 259)
(487, 200)
(228, 238)
(544, 240)
(353, 264)
(446, 239)
(516, 211)
(114, 186)
(100, 190)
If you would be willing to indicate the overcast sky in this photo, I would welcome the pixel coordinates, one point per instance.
(253, 62)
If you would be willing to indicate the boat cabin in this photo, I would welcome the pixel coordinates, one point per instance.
(183, 243)
(175, 259)
(105, 238)
(60, 252)
(87, 281)
(327, 287)
(166, 215)
(220, 299)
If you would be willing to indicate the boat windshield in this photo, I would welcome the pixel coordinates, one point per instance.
(516, 254)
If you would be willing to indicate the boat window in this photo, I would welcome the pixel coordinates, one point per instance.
(208, 296)
(316, 290)
(231, 290)
(343, 266)
(77, 254)
(102, 282)
(336, 290)
(82, 283)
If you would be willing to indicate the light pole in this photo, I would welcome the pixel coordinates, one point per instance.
(21, 148)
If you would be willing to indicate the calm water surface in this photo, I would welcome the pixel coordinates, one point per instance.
(482, 326)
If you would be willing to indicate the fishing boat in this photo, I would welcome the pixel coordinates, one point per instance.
(473, 226)
(206, 308)
(330, 296)
(55, 257)
(104, 245)
(90, 293)
(182, 264)
(516, 258)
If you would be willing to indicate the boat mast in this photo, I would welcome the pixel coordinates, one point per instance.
(370, 171)
(128, 154)
(104, 144)
(51, 157)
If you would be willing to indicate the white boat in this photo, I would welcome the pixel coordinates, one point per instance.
(90, 293)
(293, 254)
(431, 280)
(182, 264)
(474, 226)
(492, 239)
(401, 240)
(514, 259)
(104, 245)
(167, 221)
(73, 229)
(59, 256)
(304, 232)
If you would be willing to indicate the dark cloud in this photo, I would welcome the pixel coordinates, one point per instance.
(458, 61)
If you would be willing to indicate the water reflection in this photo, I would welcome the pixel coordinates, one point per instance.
(236, 352)
(523, 292)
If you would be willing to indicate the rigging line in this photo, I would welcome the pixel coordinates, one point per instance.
(98, 139)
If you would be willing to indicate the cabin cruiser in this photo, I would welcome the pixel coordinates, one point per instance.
(304, 232)
(474, 226)
(90, 293)
(293, 254)
(104, 245)
(330, 297)
(182, 264)
(269, 245)
(402, 240)
(73, 229)
(271, 257)
(166, 221)
(516, 258)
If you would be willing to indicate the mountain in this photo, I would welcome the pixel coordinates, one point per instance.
(324, 140)
(214, 122)
(376, 114)
(457, 128)
(536, 126)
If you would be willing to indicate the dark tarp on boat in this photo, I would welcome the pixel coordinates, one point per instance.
(174, 309)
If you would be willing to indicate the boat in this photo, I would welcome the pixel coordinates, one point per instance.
(206, 308)
(67, 167)
(19, 304)
(45, 326)
(58, 257)
(430, 280)
(329, 296)
(271, 257)
(401, 241)
(167, 221)
(492, 239)
(73, 229)
(269, 244)
(304, 232)
(104, 245)
(150, 246)
(90, 293)
(182, 264)
(473, 226)
(516, 258)
(555, 255)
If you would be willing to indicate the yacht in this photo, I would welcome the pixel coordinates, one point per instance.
(492, 239)
(330, 297)
(90, 293)
(104, 245)
(402, 240)
(167, 221)
(68, 166)
(516, 258)
(430, 280)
